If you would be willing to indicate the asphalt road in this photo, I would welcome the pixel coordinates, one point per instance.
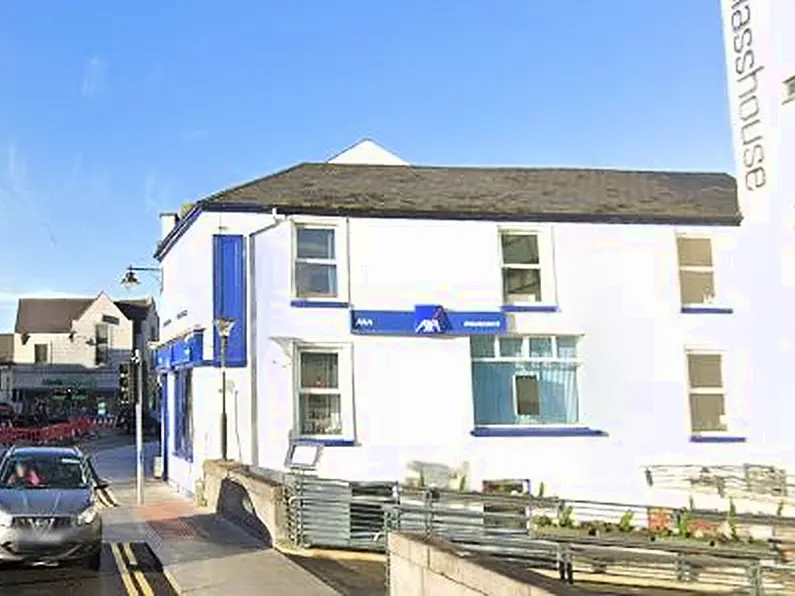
(129, 569)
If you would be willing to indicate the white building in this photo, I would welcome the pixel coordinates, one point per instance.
(565, 326)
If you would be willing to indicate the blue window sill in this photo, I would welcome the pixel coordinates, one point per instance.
(530, 308)
(188, 457)
(319, 304)
(537, 431)
(716, 439)
(707, 310)
(328, 442)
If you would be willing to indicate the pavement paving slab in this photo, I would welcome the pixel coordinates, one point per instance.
(201, 552)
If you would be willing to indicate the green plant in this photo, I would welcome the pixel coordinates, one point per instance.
(565, 517)
(780, 509)
(541, 488)
(625, 523)
(683, 523)
(691, 503)
(543, 521)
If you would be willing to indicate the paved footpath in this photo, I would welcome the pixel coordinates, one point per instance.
(202, 553)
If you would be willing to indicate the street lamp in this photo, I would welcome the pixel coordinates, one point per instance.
(130, 279)
(224, 327)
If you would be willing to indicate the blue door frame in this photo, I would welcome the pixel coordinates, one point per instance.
(165, 423)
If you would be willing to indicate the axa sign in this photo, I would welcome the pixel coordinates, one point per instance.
(744, 72)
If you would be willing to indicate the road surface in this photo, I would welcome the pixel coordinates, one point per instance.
(128, 568)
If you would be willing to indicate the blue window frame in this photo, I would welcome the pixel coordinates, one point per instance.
(524, 380)
(183, 414)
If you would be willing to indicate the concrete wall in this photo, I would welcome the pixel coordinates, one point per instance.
(232, 490)
(419, 567)
(616, 286)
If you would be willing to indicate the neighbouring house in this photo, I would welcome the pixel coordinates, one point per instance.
(6, 364)
(67, 351)
(569, 326)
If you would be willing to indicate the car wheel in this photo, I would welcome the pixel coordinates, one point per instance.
(93, 561)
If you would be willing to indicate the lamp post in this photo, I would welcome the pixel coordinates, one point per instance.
(224, 327)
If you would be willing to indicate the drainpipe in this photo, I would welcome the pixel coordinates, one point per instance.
(278, 219)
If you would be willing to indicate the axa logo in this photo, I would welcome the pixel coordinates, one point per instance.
(429, 326)
(364, 322)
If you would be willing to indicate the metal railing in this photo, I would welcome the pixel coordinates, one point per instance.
(526, 529)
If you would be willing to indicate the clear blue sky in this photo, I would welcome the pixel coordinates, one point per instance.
(111, 112)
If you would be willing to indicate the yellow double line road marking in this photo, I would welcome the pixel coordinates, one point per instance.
(135, 582)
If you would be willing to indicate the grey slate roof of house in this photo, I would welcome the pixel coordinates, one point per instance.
(538, 194)
(55, 315)
(6, 348)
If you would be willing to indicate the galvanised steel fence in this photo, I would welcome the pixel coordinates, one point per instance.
(592, 541)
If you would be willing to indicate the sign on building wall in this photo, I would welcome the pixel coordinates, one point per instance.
(427, 319)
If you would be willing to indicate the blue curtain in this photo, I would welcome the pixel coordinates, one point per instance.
(493, 392)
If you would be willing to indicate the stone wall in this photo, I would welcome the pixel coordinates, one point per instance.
(252, 501)
(420, 566)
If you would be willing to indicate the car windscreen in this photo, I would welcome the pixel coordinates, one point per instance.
(55, 471)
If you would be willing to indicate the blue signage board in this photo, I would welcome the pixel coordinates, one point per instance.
(427, 320)
(186, 350)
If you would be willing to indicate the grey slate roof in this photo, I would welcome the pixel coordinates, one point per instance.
(6, 347)
(55, 315)
(540, 194)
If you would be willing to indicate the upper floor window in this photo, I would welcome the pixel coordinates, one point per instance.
(706, 392)
(527, 267)
(41, 353)
(102, 344)
(696, 271)
(525, 380)
(315, 262)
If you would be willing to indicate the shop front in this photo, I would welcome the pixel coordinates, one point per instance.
(65, 393)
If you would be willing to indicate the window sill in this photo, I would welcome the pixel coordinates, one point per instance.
(312, 303)
(537, 431)
(328, 442)
(706, 309)
(530, 308)
(717, 438)
(188, 457)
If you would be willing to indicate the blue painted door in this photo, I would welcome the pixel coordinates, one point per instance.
(165, 423)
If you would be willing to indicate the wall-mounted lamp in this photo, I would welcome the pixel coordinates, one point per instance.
(130, 279)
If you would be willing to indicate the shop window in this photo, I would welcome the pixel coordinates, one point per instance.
(525, 380)
(324, 400)
(183, 415)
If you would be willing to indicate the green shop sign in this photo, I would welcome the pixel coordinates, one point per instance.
(70, 384)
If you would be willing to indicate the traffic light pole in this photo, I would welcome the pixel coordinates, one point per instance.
(139, 428)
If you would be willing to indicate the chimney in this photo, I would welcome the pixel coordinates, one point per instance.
(167, 223)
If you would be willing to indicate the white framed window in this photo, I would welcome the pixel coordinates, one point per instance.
(706, 392)
(525, 380)
(316, 271)
(323, 391)
(527, 271)
(696, 271)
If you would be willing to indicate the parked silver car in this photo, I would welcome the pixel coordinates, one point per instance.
(48, 507)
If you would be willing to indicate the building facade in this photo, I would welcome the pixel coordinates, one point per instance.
(67, 352)
(6, 364)
(570, 327)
